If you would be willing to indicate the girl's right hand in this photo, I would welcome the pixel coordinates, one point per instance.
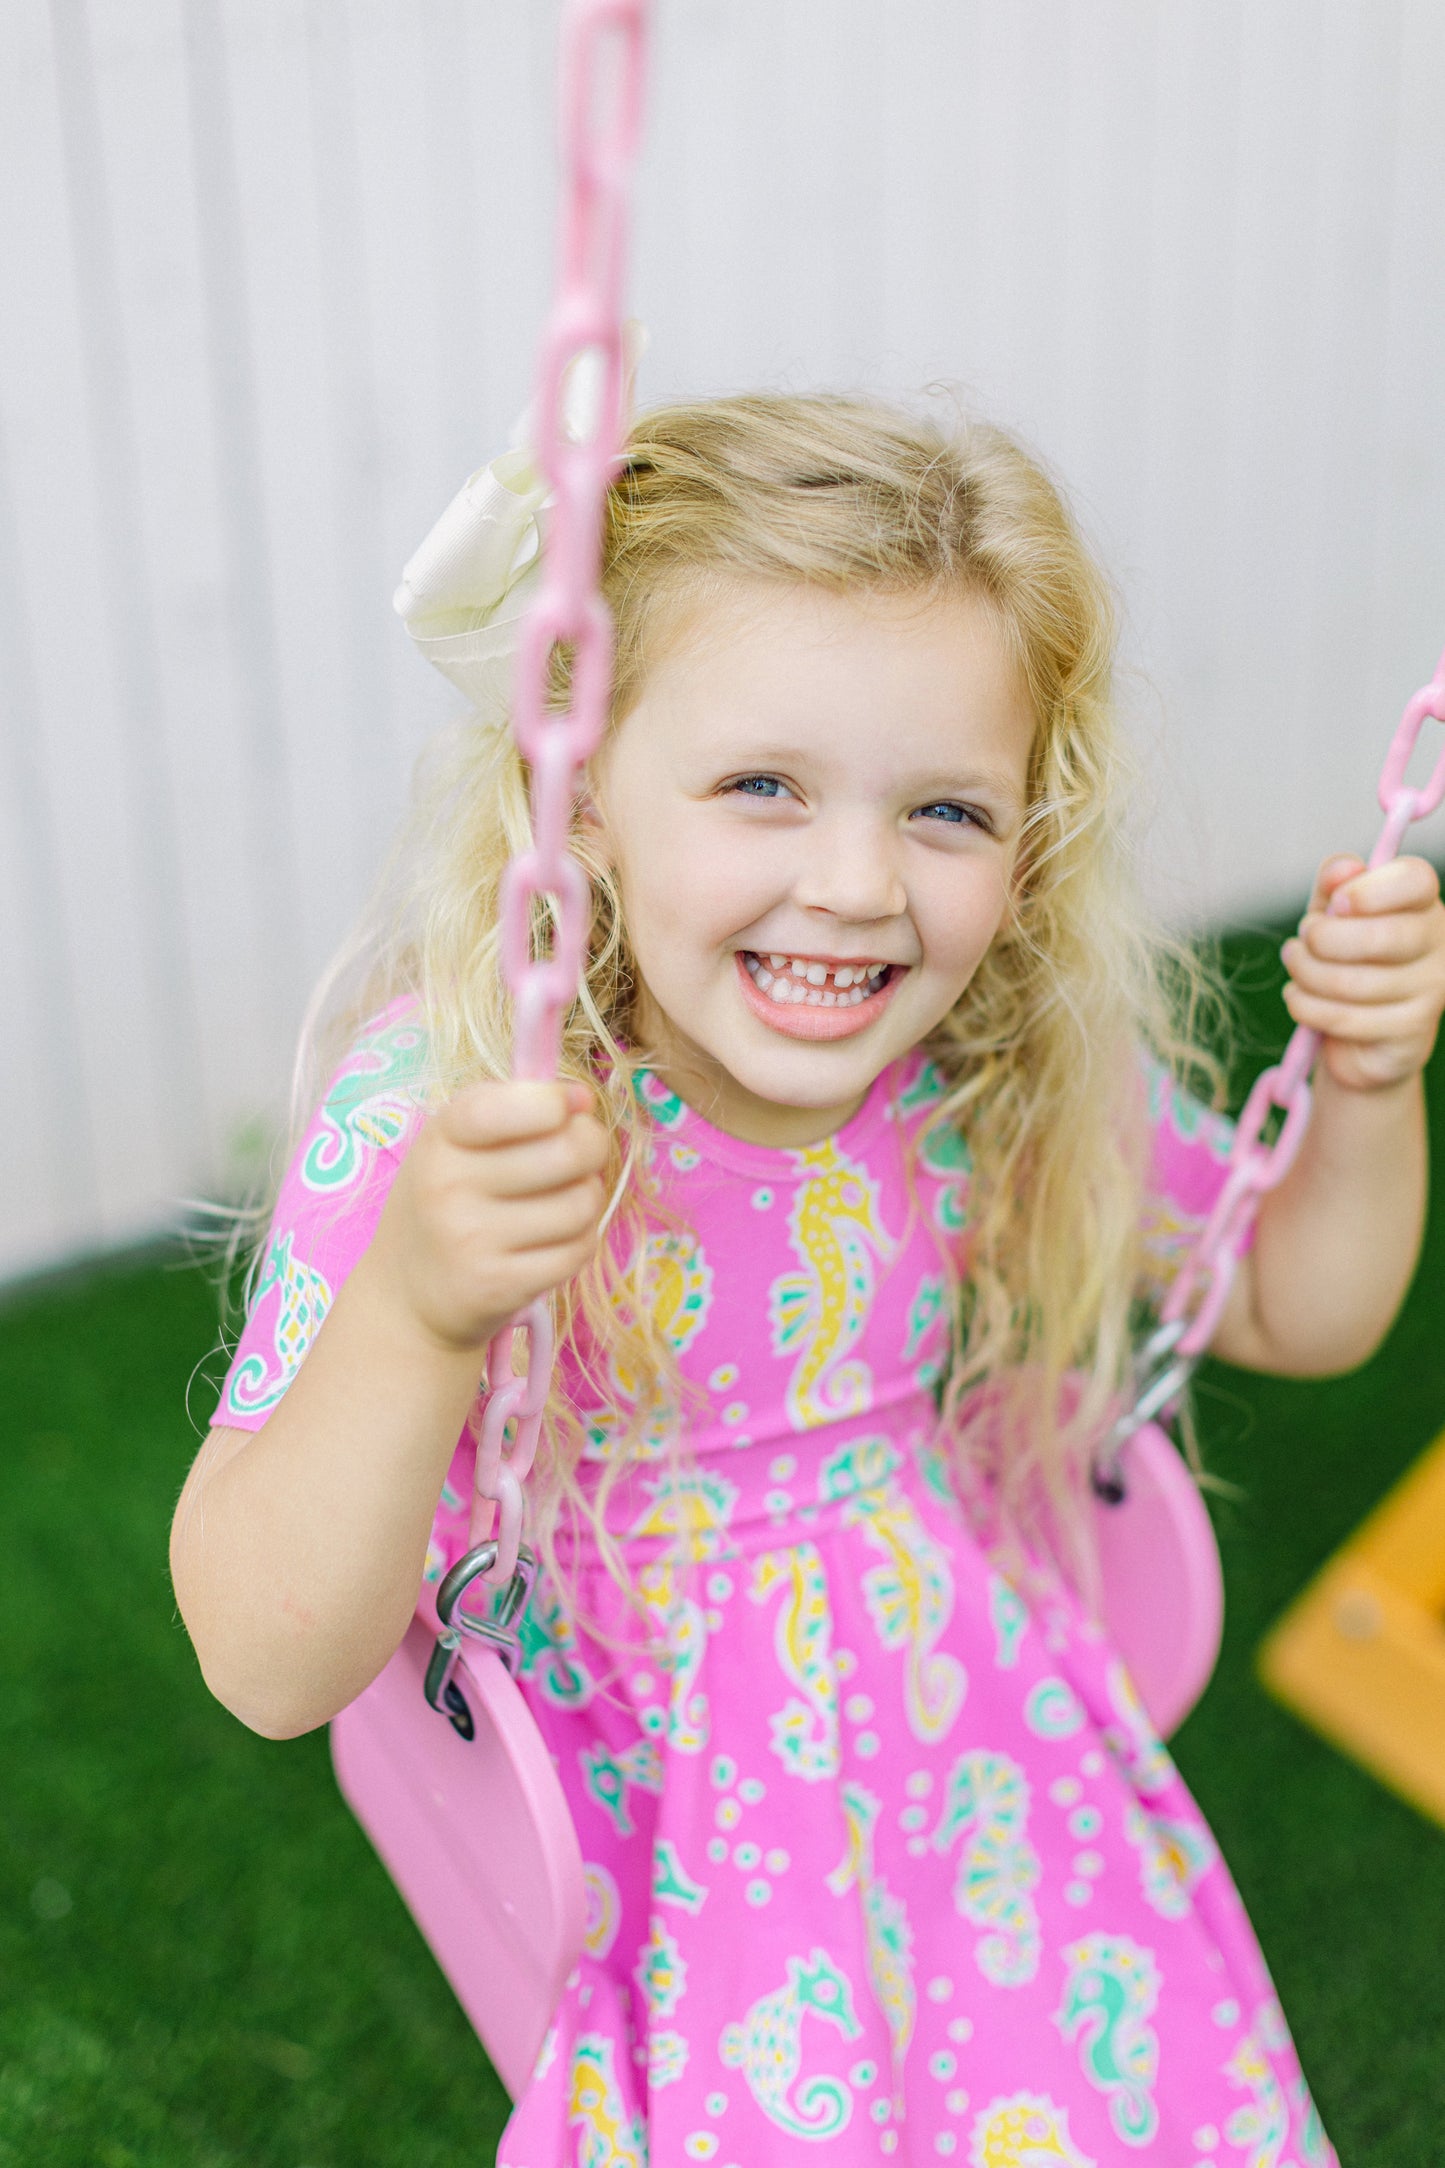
(498, 1201)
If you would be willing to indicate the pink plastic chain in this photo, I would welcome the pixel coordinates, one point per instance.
(602, 58)
(1202, 1287)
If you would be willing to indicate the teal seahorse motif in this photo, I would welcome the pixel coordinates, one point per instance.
(1010, 1618)
(934, 1464)
(548, 1642)
(987, 1802)
(609, 1777)
(945, 1155)
(305, 1298)
(1110, 1994)
(664, 1106)
(926, 1346)
(370, 1104)
(805, 1729)
(926, 1089)
(885, 1924)
(767, 2048)
(671, 1882)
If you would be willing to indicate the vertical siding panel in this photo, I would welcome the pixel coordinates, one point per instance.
(80, 572)
(1343, 368)
(353, 419)
(50, 1182)
(1408, 614)
(1185, 539)
(259, 976)
(48, 1173)
(301, 438)
(158, 1109)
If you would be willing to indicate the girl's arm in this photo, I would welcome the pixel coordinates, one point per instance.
(1338, 1241)
(297, 1550)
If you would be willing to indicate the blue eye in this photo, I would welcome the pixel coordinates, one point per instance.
(952, 815)
(758, 786)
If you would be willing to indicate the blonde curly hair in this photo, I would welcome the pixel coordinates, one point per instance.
(1041, 1055)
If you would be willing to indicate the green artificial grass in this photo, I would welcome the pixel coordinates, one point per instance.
(206, 1967)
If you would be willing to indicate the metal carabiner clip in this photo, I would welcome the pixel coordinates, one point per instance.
(499, 1629)
(1164, 1378)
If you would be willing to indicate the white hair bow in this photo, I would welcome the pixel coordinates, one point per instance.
(464, 593)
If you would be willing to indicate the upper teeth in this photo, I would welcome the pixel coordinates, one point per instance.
(824, 986)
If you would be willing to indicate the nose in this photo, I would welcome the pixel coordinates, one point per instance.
(851, 871)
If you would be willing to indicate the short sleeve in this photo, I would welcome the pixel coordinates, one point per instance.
(1190, 1151)
(327, 1210)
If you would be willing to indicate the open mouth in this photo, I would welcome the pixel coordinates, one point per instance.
(815, 997)
(818, 985)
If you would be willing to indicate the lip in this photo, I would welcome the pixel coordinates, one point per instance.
(796, 1020)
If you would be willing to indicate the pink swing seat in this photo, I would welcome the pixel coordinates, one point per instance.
(471, 1823)
(470, 1820)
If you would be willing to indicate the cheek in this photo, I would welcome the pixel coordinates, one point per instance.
(964, 915)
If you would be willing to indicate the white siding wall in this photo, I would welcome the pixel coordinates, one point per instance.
(271, 278)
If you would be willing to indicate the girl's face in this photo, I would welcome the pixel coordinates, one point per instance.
(813, 813)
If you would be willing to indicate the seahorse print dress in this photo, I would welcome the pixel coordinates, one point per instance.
(883, 1862)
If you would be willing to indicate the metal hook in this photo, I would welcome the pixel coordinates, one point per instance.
(498, 1631)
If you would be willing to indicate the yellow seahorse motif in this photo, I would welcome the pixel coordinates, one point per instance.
(885, 1923)
(910, 1601)
(805, 1731)
(836, 1233)
(676, 1281)
(1024, 2131)
(610, 2137)
(679, 1626)
(694, 1507)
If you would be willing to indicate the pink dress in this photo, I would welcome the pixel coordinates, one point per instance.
(883, 1862)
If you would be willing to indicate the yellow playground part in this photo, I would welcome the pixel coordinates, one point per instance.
(1361, 1654)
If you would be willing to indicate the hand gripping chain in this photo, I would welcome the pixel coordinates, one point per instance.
(602, 55)
(1201, 1288)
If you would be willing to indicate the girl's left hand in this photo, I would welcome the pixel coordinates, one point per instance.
(1367, 969)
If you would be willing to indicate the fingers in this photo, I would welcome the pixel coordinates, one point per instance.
(492, 1113)
(1367, 967)
(1391, 915)
(568, 1215)
(1347, 888)
(1363, 1023)
(1334, 873)
(1393, 970)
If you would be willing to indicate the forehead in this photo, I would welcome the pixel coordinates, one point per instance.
(752, 668)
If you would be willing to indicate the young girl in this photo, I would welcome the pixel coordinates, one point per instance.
(872, 1160)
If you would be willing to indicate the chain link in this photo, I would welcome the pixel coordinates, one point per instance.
(544, 891)
(1201, 1288)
